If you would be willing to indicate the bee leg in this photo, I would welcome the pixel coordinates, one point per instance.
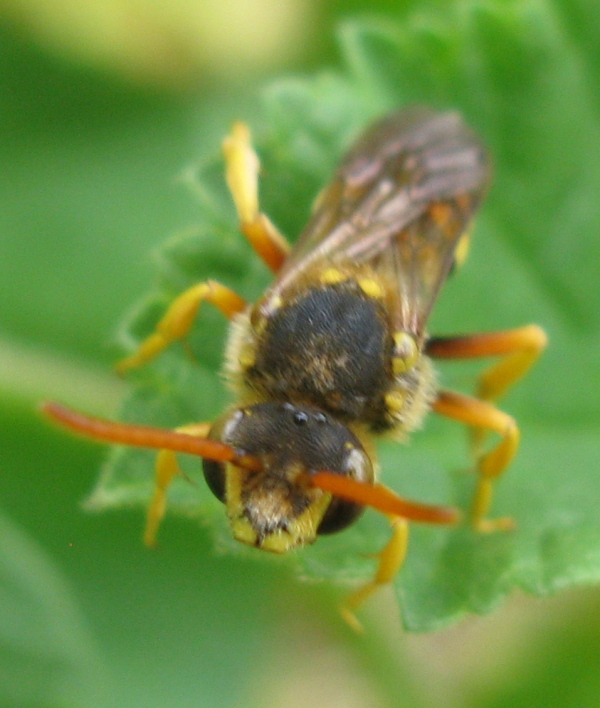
(166, 469)
(398, 510)
(242, 179)
(519, 348)
(391, 558)
(481, 414)
(179, 318)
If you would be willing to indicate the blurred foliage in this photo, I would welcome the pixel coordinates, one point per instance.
(172, 43)
(91, 166)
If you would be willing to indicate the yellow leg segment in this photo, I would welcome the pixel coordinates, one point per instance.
(527, 345)
(490, 465)
(242, 179)
(179, 318)
(391, 558)
(167, 468)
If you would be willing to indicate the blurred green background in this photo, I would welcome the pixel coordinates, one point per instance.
(102, 106)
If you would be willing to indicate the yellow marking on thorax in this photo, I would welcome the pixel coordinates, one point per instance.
(371, 288)
(406, 352)
(331, 276)
(395, 400)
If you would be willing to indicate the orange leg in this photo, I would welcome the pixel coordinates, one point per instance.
(178, 320)
(490, 465)
(398, 511)
(242, 179)
(519, 348)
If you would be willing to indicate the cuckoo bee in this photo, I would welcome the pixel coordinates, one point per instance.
(337, 351)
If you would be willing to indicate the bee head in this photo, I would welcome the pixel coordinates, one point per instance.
(276, 508)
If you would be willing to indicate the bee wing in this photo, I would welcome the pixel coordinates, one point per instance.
(399, 201)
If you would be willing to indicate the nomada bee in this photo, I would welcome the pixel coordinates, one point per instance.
(336, 351)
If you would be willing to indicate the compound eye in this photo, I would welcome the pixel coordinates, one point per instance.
(214, 474)
(339, 515)
(342, 513)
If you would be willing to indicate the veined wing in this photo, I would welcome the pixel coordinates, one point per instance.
(399, 201)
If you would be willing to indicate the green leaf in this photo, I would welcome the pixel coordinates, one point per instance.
(47, 657)
(529, 85)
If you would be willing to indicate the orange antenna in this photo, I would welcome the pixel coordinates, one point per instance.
(145, 436)
(383, 499)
